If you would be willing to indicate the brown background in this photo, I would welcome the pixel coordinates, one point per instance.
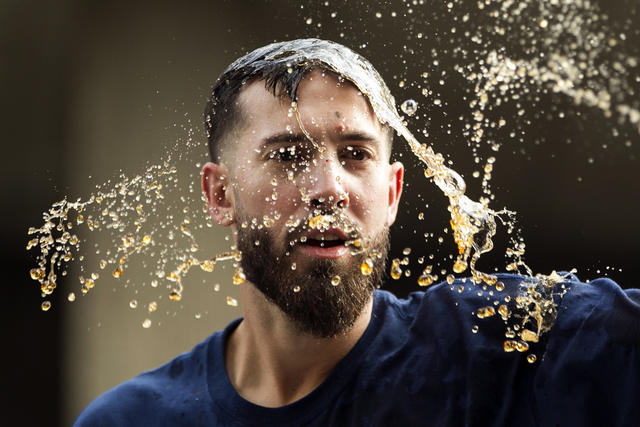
(92, 87)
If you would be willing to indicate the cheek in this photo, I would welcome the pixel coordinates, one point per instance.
(371, 201)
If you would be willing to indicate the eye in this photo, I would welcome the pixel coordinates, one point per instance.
(356, 153)
(285, 154)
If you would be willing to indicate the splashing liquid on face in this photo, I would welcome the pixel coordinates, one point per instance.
(473, 223)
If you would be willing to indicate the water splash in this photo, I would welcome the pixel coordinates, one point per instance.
(584, 69)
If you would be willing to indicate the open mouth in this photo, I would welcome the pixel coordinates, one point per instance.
(325, 243)
(326, 239)
(330, 244)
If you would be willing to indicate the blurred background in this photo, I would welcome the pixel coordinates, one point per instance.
(93, 88)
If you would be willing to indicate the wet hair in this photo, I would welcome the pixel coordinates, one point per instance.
(281, 66)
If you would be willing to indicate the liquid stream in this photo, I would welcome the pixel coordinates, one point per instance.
(124, 208)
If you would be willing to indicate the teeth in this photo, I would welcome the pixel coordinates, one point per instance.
(326, 237)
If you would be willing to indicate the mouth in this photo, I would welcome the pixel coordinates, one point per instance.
(325, 240)
(326, 244)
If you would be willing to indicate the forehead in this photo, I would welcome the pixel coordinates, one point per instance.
(323, 99)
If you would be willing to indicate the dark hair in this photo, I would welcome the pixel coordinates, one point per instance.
(282, 67)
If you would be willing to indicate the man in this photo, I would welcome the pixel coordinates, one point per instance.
(301, 173)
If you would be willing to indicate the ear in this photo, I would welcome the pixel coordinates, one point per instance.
(396, 176)
(216, 188)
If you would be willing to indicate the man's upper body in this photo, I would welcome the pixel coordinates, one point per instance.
(301, 173)
(421, 361)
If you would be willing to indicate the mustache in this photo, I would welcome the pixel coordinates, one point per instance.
(325, 220)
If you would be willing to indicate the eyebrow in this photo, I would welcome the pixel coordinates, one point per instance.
(301, 137)
(284, 137)
(357, 136)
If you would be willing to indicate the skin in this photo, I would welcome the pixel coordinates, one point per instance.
(270, 362)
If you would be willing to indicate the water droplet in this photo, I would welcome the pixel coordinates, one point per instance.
(37, 273)
(528, 335)
(232, 302)
(71, 297)
(474, 329)
(153, 306)
(504, 312)
(484, 312)
(175, 295)
(396, 271)
(133, 303)
(207, 265)
(238, 277)
(146, 323)
(409, 107)
(459, 266)
(32, 243)
(173, 276)
(46, 305)
(366, 268)
(335, 280)
(509, 345)
(531, 358)
(296, 289)
(522, 346)
(425, 279)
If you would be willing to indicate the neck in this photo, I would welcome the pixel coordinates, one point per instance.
(270, 362)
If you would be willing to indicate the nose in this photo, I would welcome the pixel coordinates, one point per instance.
(328, 190)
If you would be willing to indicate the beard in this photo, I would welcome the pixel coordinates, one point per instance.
(316, 307)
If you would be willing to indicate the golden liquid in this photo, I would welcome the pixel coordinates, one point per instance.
(238, 277)
(484, 312)
(396, 271)
(175, 295)
(335, 280)
(504, 312)
(366, 268)
(126, 206)
(426, 279)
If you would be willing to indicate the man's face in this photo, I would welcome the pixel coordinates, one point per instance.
(305, 200)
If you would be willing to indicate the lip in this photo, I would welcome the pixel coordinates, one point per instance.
(326, 253)
(335, 231)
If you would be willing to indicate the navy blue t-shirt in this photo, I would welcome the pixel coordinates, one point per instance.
(420, 362)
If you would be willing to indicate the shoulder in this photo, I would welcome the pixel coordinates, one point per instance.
(591, 367)
(600, 309)
(153, 397)
(452, 301)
